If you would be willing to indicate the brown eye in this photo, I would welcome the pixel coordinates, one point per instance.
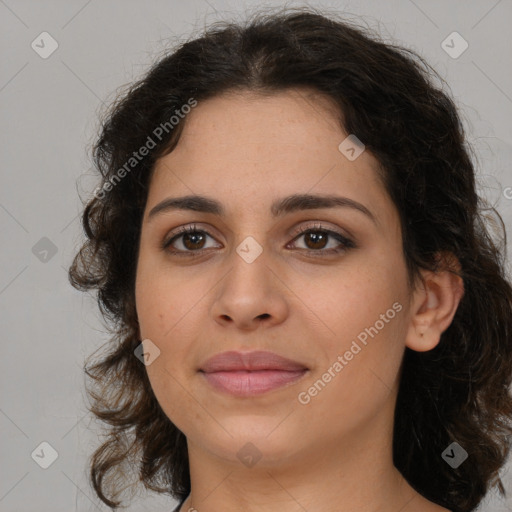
(190, 238)
(193, 240)
(316, 239)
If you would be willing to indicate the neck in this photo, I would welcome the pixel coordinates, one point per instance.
(355, 474)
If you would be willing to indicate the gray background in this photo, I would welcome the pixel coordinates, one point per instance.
(49, 119)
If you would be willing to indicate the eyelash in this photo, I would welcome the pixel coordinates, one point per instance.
(346, 243)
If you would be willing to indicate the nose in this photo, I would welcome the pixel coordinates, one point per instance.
(252, 293)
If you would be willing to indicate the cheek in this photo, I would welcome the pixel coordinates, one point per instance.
(359, 367)
(166, 307)
(364, 316)
(162, 314)
(158, 298)
(150, 313)
(354, 301)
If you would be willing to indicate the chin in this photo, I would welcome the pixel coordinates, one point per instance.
(251, 435)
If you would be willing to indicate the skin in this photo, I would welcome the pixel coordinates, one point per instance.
(245, 151)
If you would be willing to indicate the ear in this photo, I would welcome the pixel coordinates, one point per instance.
(434, 304)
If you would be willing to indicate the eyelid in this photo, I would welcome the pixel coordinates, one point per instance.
(347, 241)
(175, 233)
(321, 226)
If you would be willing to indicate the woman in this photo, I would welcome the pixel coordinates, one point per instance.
(307, 309)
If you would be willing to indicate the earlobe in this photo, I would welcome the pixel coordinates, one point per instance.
(433, 308)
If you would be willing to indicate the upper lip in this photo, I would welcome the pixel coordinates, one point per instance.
(250, 361)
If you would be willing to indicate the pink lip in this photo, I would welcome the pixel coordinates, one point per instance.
(250, 373)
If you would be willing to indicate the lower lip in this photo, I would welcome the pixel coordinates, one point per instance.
(246, 383)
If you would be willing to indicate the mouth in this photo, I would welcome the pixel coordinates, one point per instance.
(250, 383)
(251, 373)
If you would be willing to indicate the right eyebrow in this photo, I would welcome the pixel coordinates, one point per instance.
(280, 207)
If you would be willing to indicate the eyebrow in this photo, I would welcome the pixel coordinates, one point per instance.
(279, 208)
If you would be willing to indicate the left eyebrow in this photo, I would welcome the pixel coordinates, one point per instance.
(279, 208)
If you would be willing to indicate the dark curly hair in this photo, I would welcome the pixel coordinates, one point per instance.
(458, 391)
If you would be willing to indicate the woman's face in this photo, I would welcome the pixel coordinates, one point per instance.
(247, 281)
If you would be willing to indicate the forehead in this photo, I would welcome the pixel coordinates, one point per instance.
(252, 148)
(286, 118)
